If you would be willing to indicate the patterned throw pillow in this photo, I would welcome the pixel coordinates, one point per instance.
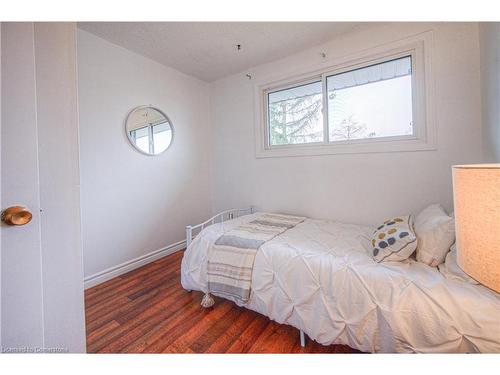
(395, 240)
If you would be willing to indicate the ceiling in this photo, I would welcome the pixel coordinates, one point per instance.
(208, 50)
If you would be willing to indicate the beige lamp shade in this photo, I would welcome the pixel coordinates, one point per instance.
(476, 193)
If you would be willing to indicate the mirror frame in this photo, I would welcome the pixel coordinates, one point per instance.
(130, 139)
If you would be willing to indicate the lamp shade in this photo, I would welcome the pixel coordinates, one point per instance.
(476, 195)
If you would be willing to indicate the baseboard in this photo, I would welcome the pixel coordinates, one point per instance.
(130, 265)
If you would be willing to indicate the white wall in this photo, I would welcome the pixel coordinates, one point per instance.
(360, 188)
(133, 204)
(489, 37)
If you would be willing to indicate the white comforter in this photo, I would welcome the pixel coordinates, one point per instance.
(318, 277)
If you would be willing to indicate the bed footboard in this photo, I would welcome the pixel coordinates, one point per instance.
(192, 230)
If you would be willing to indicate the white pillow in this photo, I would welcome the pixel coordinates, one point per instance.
(394, 240)
(451, 270)
(435, 234)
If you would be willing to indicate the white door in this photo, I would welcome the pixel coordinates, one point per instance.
(41, 262)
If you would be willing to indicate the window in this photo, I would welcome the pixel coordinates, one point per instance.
(152, 139)
(141, 137)
(162, 136)
(295, 115)
(373, 104)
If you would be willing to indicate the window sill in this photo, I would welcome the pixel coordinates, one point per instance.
(347, 148)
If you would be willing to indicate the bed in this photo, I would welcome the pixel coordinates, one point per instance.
(319, 278)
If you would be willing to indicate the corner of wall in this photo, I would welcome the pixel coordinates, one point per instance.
(211, 126)
(489, 45)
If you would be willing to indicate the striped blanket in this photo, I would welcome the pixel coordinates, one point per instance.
(231, 257)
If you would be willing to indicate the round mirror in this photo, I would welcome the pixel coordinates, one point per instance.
(149, 130)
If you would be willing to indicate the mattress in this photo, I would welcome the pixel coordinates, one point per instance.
(318, 277)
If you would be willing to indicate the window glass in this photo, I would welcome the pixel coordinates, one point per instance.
(371, 102)
(141, 137)
(162, 136)
(295, 115)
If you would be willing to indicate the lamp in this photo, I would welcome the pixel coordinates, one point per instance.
(476, 195)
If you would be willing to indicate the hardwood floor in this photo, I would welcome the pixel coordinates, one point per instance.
(147, 311)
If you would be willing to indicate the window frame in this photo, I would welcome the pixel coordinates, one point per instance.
(423, 137)
(151, 133)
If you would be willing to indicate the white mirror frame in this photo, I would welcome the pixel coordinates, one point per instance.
(130, 139)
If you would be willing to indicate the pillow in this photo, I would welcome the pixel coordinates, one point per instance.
(435, 233)
(451, 270)
(394, 240)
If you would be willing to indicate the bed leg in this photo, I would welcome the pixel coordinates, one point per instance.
(302, 339)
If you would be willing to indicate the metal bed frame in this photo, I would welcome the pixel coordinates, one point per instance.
(193, 230)
(219, 218)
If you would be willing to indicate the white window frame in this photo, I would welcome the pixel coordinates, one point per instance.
(424, 137)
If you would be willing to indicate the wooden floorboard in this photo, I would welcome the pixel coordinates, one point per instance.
(147, 311)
